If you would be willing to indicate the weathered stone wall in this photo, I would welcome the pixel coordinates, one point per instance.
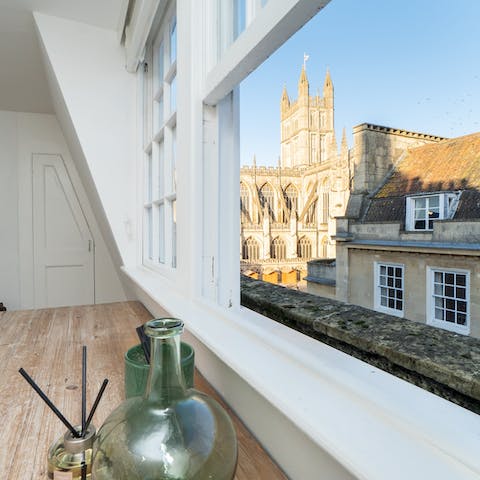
(361, 280)
(439, 361)
(376, 149)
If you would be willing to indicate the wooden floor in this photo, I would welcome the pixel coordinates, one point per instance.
(48, 345)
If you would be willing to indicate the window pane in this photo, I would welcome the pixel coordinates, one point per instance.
(174, 233)
(450, 278)
(420, 225)
(438, 314)
(161, 64)
(173, 41)
(420, 203)
(433, 202)
(149, 178)
(461, 279)
(449, 316)
(149, 238)
(173, 95)
(438, 277)
(161, 108)
(462, 306)
(174, 160)
(420, 214)
(161, 233)
(461, 319)
(438, 289)
(460, 292)
(161, 169)
(450, 304)
(439, 302)
(449, 291)
(240, 17)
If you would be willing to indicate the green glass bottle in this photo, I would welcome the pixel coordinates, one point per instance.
(171, 432)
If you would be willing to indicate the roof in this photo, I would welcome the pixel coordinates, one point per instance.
(452, 164)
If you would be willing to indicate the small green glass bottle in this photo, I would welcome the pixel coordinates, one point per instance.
(171, 432)
(68, 453)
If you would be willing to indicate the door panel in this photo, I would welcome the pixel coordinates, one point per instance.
(63, 244)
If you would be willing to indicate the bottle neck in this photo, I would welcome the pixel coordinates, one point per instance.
(165, 382)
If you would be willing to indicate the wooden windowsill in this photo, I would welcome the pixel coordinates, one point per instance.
(47, 343)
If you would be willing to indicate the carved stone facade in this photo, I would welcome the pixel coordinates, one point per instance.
(287, 212)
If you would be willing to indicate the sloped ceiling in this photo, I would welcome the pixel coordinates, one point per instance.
(23, 84)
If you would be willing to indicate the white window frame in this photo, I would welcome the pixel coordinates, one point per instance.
(251, 345)
(159, 76)
(430, 303)
(446, 208)
(377, 287)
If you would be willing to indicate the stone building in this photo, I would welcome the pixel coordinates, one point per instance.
(409, 243)
(287, 212)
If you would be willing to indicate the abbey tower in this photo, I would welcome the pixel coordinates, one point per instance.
(287, 212)
(307, 133)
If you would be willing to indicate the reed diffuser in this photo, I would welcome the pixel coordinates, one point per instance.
(69, 458)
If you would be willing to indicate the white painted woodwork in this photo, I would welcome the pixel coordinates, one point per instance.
(63, 243)
(94, 100)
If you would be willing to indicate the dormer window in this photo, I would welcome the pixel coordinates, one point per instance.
(423, 210)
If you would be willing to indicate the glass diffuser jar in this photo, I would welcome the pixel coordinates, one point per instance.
(169, 433)
(67, 455)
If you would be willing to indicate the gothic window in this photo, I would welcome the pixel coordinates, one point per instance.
(313, 148)
(291, 200)
(310, 216)
(244, 203)
(267, 197)
(278, 249)
(324, 248)
(304, 248)
(250, 249)
(325, 207)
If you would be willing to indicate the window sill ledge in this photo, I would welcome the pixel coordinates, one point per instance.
(361, 416)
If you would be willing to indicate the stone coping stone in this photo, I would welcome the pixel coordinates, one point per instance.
(445, 363)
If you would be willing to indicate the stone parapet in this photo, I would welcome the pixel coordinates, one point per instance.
(442, 362)
(397, 131)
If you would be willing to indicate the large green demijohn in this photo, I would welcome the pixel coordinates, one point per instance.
(169, 433)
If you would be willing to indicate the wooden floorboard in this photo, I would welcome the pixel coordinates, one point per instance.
(47, 343)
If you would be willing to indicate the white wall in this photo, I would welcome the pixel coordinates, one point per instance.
(94, 100)
(21, 135)
(9, 268)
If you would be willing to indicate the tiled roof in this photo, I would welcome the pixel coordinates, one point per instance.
(452, 164)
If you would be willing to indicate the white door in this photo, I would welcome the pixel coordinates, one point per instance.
(62, 242)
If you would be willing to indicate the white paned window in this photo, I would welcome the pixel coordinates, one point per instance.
(389, 288)
(160, 121)
(448, 299)
(423, 210)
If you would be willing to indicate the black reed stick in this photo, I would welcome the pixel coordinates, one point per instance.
(55, 410)
(84, 389)
(145, 341)
(95, 405)
(84, 471)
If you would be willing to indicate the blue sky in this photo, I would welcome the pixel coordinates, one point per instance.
(413, 65)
